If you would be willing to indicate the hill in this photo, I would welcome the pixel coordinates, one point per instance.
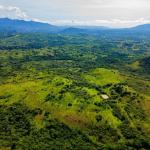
(22, 26)
(9, 27)
(144, 27)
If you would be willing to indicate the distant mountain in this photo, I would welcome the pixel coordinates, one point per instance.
(9, 26)
(144, 27)
(93, 27)
(74, 30)
(22, 26)
(84, 30)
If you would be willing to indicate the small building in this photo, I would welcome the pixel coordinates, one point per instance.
(104, 96)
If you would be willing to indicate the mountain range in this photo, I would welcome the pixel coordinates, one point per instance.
(22, 26)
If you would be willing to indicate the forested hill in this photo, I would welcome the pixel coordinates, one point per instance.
(145, 27)
(21, 26)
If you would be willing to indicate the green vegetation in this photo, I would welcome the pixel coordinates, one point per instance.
(53, 89)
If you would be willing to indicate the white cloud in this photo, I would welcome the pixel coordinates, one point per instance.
(111, 23)
(113, 13)
(121, 4)
(12, 12)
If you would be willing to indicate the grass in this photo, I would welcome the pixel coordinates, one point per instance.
(33, 94)
(102, 76)
(110, 119)
(135, 65)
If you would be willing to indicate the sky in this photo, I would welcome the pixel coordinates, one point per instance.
(112, 13)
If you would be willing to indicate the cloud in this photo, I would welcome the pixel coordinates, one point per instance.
(12, 12)
(121, 4)
(111, 22)
(90, 12)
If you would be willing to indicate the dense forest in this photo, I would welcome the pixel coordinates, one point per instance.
(74, 91)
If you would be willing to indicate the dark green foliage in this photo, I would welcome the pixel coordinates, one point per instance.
(105, 134)
(98, 118)
(17, 131)
(135, 139)
(50, 97)
(145, 63)
(117, 112)
(69, 104)
(14, 124)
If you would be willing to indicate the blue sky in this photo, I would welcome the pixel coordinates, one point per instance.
(114, 13)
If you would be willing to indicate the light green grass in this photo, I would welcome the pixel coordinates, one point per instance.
(102, 76)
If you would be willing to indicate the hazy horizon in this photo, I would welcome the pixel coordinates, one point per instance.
(110, 13)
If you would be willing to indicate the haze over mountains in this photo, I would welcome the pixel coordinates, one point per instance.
(22, 26)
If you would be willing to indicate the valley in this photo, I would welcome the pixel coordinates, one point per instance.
(74, 91)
